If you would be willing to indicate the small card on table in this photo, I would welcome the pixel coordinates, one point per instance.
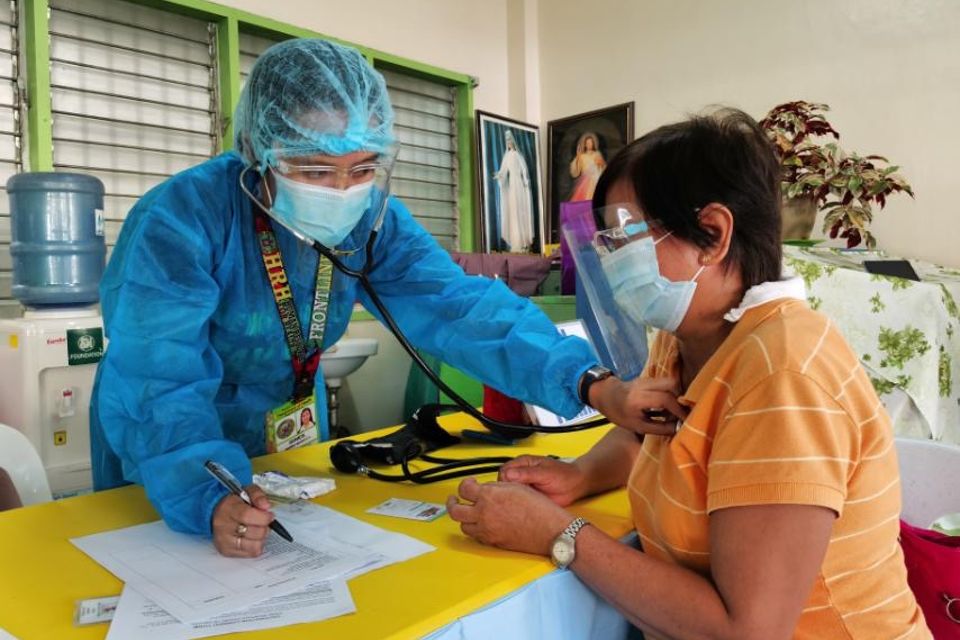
(409, 509)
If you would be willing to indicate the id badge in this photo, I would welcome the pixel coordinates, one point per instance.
(292, 425)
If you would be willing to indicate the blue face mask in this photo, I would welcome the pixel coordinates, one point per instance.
(323, 214)
(641, 292)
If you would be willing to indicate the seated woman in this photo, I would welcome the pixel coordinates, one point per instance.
(771, 509)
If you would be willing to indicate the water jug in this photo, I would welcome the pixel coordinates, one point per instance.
(58, 246)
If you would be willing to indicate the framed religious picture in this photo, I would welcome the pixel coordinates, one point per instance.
(509, 180)
(578, 148)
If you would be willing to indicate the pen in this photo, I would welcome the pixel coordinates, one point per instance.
(226, 478)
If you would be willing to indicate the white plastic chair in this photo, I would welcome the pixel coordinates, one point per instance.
(930, 479)
(22, 463)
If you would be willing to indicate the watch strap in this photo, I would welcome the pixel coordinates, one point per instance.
(574, 528)
(595, 373)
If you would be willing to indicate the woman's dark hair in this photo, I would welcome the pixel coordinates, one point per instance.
(723, 157)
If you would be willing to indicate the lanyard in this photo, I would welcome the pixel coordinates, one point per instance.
(304, 354)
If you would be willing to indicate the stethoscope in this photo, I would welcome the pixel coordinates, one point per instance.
(348, 456)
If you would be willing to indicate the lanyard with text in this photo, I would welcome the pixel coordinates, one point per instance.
(304, 355)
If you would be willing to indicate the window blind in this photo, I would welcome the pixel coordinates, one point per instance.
(10, 143)
(251, 47)
(133, 96)
(427, 169)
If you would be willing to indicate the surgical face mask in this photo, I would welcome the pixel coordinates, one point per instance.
(324, 214)
(641, 292)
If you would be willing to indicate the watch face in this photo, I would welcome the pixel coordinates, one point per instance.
(563, 551)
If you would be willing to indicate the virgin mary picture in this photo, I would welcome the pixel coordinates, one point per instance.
(514, 198)
(509, 178)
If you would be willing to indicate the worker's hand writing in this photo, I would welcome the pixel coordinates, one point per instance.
(630, 404)
(239, 530)
(508, 515)
(562, 482)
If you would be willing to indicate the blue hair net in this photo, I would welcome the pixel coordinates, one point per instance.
(308, 96)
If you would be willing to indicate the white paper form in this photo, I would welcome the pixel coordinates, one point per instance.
(544, 417)
(138, 618)
(310, 524)
(187, 577)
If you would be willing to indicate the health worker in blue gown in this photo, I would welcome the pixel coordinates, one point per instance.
(216, 314)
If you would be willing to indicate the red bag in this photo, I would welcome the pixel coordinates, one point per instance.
(933, 572)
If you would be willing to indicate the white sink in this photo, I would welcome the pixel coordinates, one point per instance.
(345, 357)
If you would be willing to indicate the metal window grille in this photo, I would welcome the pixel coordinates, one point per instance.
(133, 93)
(10, 142)
(427, 169)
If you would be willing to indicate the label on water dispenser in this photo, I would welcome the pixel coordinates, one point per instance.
(98, 221)
(84, 346)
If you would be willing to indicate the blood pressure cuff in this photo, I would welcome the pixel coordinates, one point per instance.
(421, 434)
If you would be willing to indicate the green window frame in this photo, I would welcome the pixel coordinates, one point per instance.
(229, 23)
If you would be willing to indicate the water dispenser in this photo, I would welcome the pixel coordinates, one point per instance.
(48, 357)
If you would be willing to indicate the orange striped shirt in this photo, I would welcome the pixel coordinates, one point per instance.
(783, 413)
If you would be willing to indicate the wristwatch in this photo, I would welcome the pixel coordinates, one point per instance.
(594, 374)
(564, 548)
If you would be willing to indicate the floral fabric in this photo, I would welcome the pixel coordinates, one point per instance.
(906, 333)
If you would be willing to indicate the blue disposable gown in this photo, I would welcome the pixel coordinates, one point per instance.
(196, 350)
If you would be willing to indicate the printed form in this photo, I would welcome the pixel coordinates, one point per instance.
(186, 573)
(138, 618)
(188, 578)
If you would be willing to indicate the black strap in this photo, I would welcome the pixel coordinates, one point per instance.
(304, 354)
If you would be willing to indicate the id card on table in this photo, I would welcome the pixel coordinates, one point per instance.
(292, 425)
(409, 509)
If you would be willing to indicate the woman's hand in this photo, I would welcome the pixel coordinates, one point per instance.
(508, 515)
(631, 405)
(239, 530)
(564, 483)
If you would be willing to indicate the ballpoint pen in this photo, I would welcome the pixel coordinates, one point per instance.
(226, 478)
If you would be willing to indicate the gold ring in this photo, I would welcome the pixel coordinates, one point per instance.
(239, 543)
(241, 530)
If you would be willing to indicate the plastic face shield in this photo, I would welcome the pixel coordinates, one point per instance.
(383, 174)
(623, 339)
(376, 170)
(382, 170)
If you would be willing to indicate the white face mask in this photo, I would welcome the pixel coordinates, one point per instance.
(323, 214)
(633, 273)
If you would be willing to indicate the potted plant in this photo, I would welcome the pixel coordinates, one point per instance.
(824, 177)
(790, 126)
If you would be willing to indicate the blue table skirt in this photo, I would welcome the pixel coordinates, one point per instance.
(557, 606)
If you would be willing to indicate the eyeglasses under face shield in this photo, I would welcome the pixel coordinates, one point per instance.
(335, 177)
(624, 223)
